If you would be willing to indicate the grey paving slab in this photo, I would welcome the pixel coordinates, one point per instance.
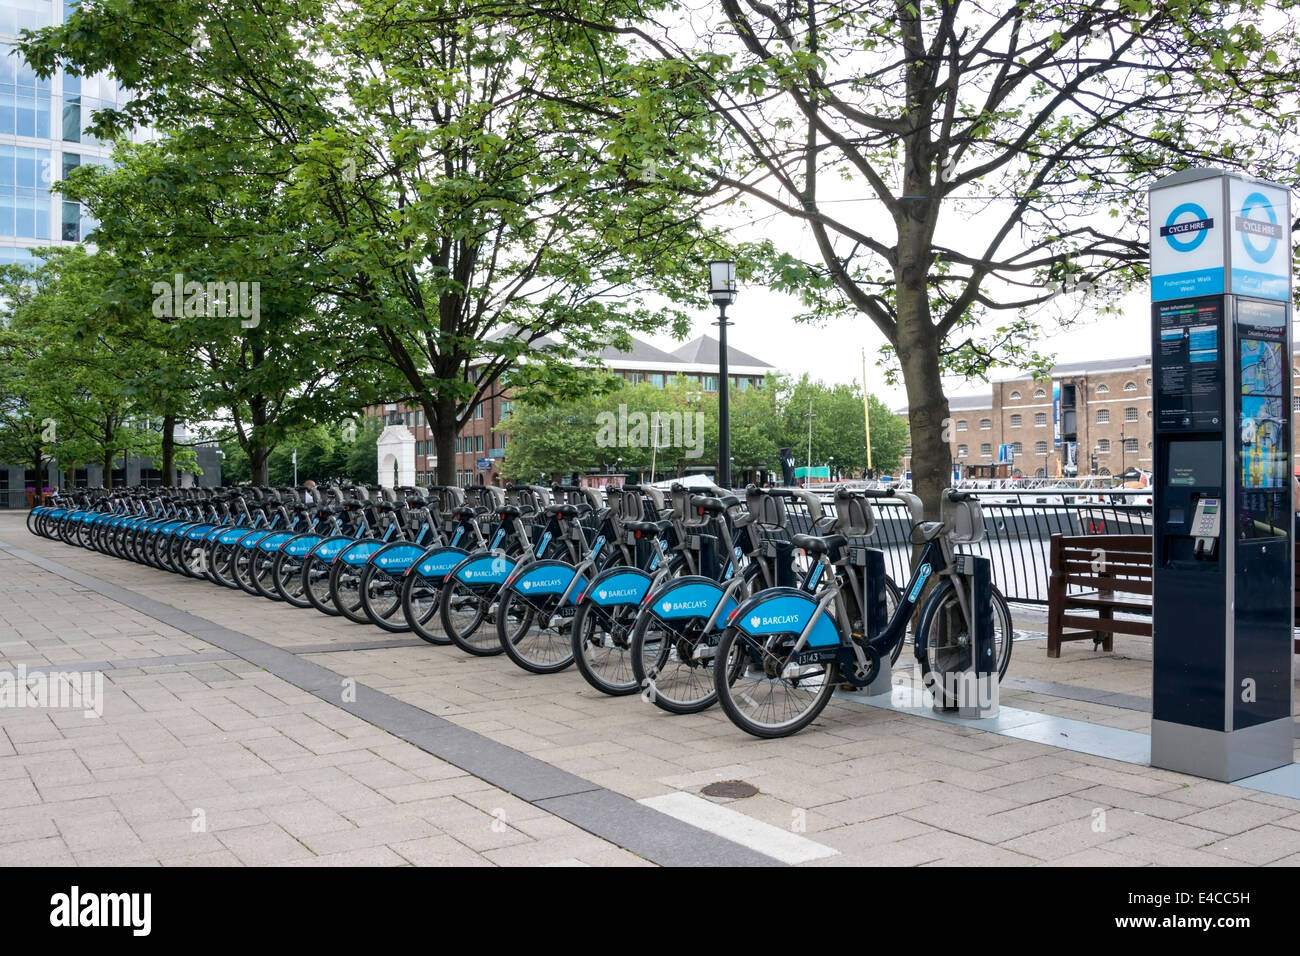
(646, 832)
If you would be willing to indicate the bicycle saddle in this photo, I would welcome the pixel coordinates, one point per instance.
(564, 511)
(647, 528)
(818, 544)
(508, 512)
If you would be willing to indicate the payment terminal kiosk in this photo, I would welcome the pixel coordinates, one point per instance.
(1222, 547)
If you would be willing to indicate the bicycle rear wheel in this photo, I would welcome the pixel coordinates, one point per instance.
(602, 642)
(673, 662)
(534, 633)
(765, 694)
(464, 610)
(381, 599)
(420, 598)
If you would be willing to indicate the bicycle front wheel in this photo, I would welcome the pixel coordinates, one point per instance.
(762, 691)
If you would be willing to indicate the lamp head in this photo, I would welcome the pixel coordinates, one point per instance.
(722, 281)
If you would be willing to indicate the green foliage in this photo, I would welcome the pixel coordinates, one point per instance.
(616, 431)
(465, 184)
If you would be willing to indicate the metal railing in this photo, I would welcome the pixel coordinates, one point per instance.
(1017, 534)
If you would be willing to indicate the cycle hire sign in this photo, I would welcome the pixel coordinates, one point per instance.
(1187, 245)
(1259, 242)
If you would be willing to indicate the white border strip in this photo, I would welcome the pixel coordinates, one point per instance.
(739, 828)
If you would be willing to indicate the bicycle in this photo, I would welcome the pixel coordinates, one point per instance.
(785, 650)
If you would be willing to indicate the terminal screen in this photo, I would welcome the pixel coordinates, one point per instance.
(1188, 364)
(1195, 464)
(1263, 425)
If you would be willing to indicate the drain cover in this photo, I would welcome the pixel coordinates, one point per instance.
(730, 788)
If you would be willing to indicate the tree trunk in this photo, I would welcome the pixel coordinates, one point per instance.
(918, 352)
(168, 451)
(441, 414)
(108, 469)
(258, 461)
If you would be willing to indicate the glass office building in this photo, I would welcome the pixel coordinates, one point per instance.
(42, 138)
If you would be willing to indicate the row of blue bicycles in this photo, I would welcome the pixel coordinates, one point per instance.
(765, 603)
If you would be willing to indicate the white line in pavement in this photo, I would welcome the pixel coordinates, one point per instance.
(739, 828)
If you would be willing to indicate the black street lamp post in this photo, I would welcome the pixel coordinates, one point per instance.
(722, 290)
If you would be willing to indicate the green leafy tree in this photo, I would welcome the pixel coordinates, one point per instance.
(431, 160)
(1001, 152)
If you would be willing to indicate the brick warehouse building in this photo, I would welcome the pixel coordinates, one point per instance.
(1105, 414)
(697, 361)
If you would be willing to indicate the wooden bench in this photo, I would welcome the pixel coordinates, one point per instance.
(1116, 570)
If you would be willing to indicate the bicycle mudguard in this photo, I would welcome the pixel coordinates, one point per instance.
(250, 540)
(783, 611)
(437, 562)
(690, 596)
(327, 549)
(359, 552)
(397, 557)
(299, 545)
(618, 586)
(197, 532)
(484, 569)
(272, 541)
(545, 577)
(232, 536)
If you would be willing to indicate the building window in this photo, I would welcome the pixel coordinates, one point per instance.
(1130, 386)
(1039, 393)
(1015, 396)
(1016, 421)
(1018, 448)
(962, 451)
(986, 424)
(709, 383)
(907, 452)
(478, 442)
(1103, 416)
(1295, 404)
(478, 410)
(1130, 444)
(1148, 383)
(986, 450)
(961, 424)
(657, 380)
(1040, 419)
(1103, 446)
(1103, 389)
(1040, 448)
(1130, 414)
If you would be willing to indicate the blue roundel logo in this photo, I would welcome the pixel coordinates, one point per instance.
(1197, 226)
(1265, 253)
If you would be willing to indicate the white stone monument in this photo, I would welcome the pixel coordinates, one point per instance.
(396, 452)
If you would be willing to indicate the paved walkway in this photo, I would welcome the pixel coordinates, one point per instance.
(235, 730)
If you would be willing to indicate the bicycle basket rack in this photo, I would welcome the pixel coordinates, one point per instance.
(854, 517)
(964, 518)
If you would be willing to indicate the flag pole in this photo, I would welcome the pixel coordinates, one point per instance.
(866, 410)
